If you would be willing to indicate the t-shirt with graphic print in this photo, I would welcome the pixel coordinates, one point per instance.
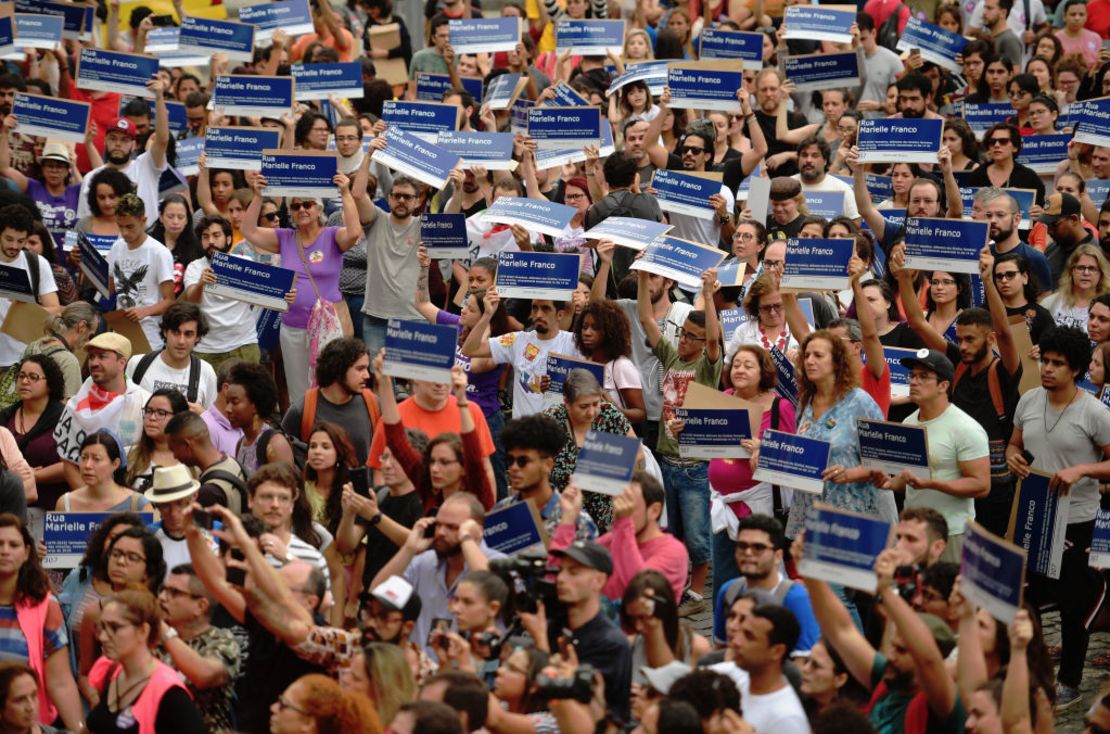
(137, 274)
(677, 374)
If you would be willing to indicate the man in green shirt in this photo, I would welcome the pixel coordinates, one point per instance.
(435, 59)
(696, 358)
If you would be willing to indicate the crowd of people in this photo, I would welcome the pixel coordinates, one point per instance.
(290, 539)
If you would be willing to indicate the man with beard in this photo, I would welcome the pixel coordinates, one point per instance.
(696, 150)
(1003, 214)
(433, 564)
(984, 386)
(1104, 227)
(119, 146)
(915, 92)
(1062, 216)
(526, 351)
(669, 316)
(760, 546)
(231, 328)
(764, 645)
(1007, 45)
(813, 162)
(781, 157)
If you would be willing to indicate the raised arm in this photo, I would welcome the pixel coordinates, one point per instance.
(211, 572)
(263, 238)
(750, 159)
(971, 664)
(951, 188)
(423, 301)
(875, 221)
(653, 144)
(1016, 716)
(1000, 321)
(476, 344)
(914, 316)
(872, 347)
(351, 233)
(161, 140)
(712, 323)
(604, 250)
(204, 188)
(643, 310)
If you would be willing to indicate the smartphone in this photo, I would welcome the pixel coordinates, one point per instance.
(202, 519)
(440, 626)
(430, 531)
(1106, 43)
(162, 21)
(360, 480)
(237, 555)
(236, 576)
(1028, 456)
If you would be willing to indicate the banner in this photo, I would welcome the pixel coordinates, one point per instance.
(492, 151)
(112, 71)
(300, 173)
(253, 96)
(827, 204)
(251, 282)
(93, 264)
(993, 572)
(893, 447)
(819, 22)
(684, 193)
(680, 260)
(549, 275)
(425, 120)
(718, 43)
(705, 85)
(841, 547)
(820, 264)
(982, 116)
(1043, 153)
(951, 245)
(320, 81)
(444, 236)
(408, 154)
(484, 35)
(823, 71)
(67, 534)
(51, 117)
(605, 462)
(630, 232)
(420, 351)
(238, 148)
(208, 36)
(899, 141)
(547, 217)
(515, 529)
(1093, 121)
(559, 365)
(432, 87)
(293, 16)
(935, 44)
(1039, 523)
(792, 461)
(589, 37)
(37, 31)
(565, 127)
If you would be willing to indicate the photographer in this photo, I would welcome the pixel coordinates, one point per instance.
(648, 608)
(514, 691)
(477, 605)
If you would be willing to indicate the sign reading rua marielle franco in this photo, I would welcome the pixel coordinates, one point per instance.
(66, 535)
(993, 572)
(842, 547)
(251, 282)
(419, 350)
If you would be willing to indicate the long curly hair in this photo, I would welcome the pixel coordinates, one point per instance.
(336, 711)
(616, 331)
(844, 372)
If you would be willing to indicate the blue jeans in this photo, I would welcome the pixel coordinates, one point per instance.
(373, 333)
(724, 560)
(354, 303)
(496, 422)
(687, 489)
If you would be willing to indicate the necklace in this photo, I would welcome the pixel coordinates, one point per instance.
(1062, 412)
(121, 697)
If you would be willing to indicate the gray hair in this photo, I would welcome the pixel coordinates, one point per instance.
(988, 194)
(580, 383)
(75, 313)
(855, 333)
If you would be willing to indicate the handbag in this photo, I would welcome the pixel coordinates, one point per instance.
(324, 324)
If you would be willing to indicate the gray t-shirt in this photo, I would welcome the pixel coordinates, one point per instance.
(391, 268)
(1059, 439)
(352, 415)
(880, 70)
(1009, 46)
(650, 368)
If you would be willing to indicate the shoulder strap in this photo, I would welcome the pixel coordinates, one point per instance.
(33, 270)
(1028, 15)
(236, 498)
(776, 493)
(311, 280)
(194, 378)
(372, 409)
(144, 365)
(134, 506)
(961, 370)
(994, 385)
(308, 413)
(262, 445)
(783, 589)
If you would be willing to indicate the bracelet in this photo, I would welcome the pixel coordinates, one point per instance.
(462, 404)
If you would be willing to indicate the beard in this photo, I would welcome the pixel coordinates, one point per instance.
(117, 159)
(900, 680)
(913, 114)
(1000, 235)
(447, 552)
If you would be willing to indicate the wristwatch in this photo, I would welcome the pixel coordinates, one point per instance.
(376, 519)
(169, 634)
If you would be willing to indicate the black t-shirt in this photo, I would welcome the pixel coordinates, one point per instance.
(902, 337)
(176, 715)
(1021, 177)
(404, 510)
(774, 145)
(790, 230)
(270, 669)
(600, 643)
(1037, 318)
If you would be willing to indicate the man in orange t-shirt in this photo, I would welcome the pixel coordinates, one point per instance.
(329, 31)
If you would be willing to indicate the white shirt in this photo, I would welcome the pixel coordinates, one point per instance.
(137, 274)
(143, 174)
(123, 415)
(703, 231)
(231, 323)
(1016, 20)
(527, 353)
(10, 349)
(831, 183)
(160, 375)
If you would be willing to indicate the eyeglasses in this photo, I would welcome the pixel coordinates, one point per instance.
(111, 627)
(118, 554)
(756, 548)
(283, 703)
(689, 336)
(270, 216)
(998, 141)
(1018, 94)
(29, 377)
(156, 413)
(744, 237)
(1011, 275)
(403, 197)
(942, 283)
(520, 461)
(1085, 268)
(296, 206)
(691, 150)
(771, 308)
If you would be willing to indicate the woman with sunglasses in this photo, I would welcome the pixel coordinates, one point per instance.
(268, 218)
(315, 704)
(1003, 143)
(153, 447)
(138, 692)
(1016, 284)
(315, 253)
(1086, 275)
(766, 325)
(1022, 88)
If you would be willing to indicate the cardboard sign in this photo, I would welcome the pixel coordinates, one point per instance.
(444, 236)
(118, 322)
(716, 424)
(1043, 153)
(680, 260)
(51, 117)
(93, 264)
(993, 572)
(893, 447)
(549, 275)
(1039, 523)
(1093, 124)
(823, 71)
(253, 96)
(1100, 541)
(652, 73)
(564, 127)
(899, 141)
(589, 37)
(630, 232)
(683, 193)
(842, 547)
(820, 264)
(293, 16)
(492, 151)
(793, 461)
(408, 154)
(251, 282)
(209, 36)
(984, 115)
(819, 22)
(503, 91)
(951, 245)
(558, 365)
(605, 462)
(115, 71)
(42, 32)
(935, 44)
(484, 35)
(66, 535)
(320, 81)
(238, 148)
(25, 322)
(786, 384)
(547, 217)
(300, 173)
(515, 529)
(419, 350)
(15, 283)
(705, 85)
(718, 43)
(425, 120)
(431, 87)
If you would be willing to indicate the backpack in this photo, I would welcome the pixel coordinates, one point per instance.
(300, 448)
(312, 397)
(234, 487)
(994, 386)
(622, 256)
(32, 270)
(888, 32)
(8, 394)
(194, 372)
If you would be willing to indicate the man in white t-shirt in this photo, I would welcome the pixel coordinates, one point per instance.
(175, 366)
(15, 226)
(813, 162)
(526, 351)
(1024, 26)
(231, 322)
(767, 636)
(140, 270)
(697, 153)
(120, 144)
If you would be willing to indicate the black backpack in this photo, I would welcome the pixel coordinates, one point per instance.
(300, 448)
(234, 487)
(888, 32)
(33, 271)
(194, 373)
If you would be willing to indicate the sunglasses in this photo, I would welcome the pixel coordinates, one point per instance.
(518, 461)
(272, 216)
(999, 141)
(691, 150)
(298, 205)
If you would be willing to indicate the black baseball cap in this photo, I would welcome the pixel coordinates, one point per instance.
(1057, 206)
(590, 554)
(931, 360)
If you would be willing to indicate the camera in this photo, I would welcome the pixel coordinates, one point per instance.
(578, 687)
(203, 519)
(528, 579)
(907, 581)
